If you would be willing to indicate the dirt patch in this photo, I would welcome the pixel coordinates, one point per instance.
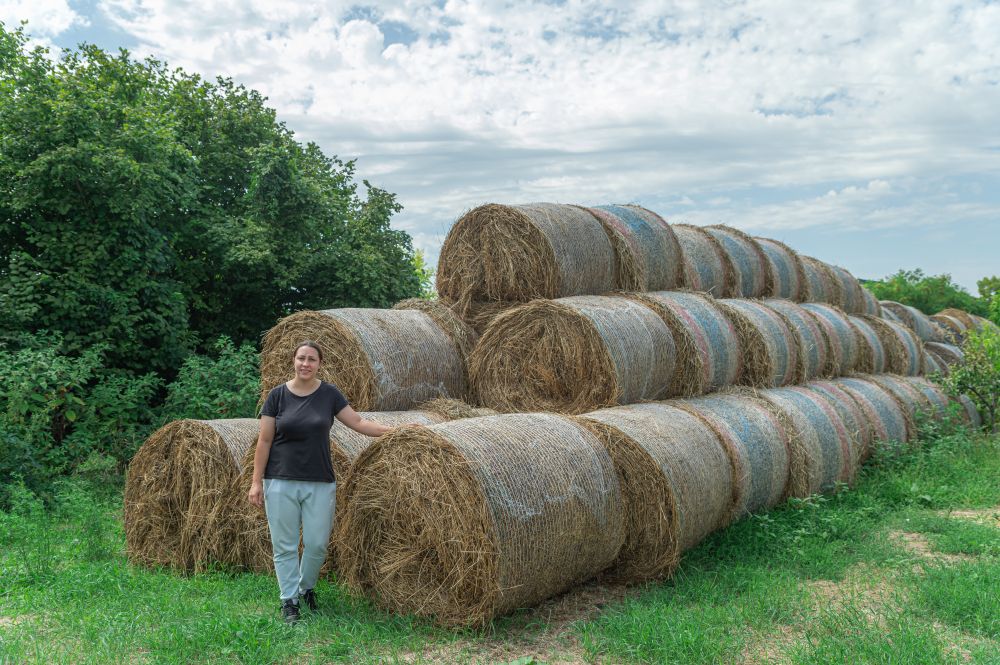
(917, 543)
(988, 516)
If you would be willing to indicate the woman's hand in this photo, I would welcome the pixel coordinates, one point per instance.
(256, 495)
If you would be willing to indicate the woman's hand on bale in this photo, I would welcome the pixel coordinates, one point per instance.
(256, 494)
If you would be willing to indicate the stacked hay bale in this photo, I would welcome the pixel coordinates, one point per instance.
(952, 328)
(841, 336)
(786, 275)
(889, 418)
(707, 266)
(769, 348)
(750, 264)
(853, 300)
(647, 254)
(813, 346)
(872, 356)
(822, 283)
(946, 355)
(856, 414)
(915, 320)
(903, 352)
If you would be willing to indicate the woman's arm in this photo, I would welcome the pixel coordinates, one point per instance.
(260, 455)
(352, 419)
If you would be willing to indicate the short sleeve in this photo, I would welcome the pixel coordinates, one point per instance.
(270, 407)
(339, 401)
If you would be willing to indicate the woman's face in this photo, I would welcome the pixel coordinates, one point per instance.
(306, 362)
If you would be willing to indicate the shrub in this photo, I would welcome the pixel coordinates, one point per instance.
(978, 375)
(224, 387)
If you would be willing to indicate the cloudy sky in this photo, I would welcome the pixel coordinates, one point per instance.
(865, 134)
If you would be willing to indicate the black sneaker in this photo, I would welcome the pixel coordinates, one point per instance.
(309, 598)
(289, 611)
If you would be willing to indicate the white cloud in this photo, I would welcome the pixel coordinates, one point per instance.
(46, 18)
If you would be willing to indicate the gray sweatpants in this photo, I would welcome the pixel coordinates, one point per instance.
(292, 505)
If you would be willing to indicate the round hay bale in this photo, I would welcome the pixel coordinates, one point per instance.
(851, 291)
(822, 453)
(984, 324)
(539, 250)
(841, 335)
(480, 314)
(963, 316)
(891, 420)
(381, 359)
(813, 346)
(676, 483)
(974, 418)
(707, 266)
(822, 283)
(914, 319)
(856, 414)
(173, 488)
(946, 354)
(708, 350)
(647, 254)
(912, 399)
(933, 366)
(573, 355)
(441, 313)
(770, 349)
(905, 355)
(748, 259)
(870, 303)
(889, 315)
(454, 409)
(468, 520)
(937, 400)
(786, 274)
(871, 352)
(756, 441)
(953, 330)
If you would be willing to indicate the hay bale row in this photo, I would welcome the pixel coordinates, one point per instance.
(382, 360)
(822, 284)
(707, 267)
(813, 346)
(573, 355)
(946, 355)
(841, 335)
(786, 275)
(915, 320)
(953, 329)
(647, 254)
(856, 415)
(751, 270)
(889, 420)
(770, 349)
(872, 356)
(468, 520)
(852, 298)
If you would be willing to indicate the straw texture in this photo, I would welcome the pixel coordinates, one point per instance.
(915, 320)
(913, 400)
(841, 335)
(573, 355)
(891, 421)
(786, 274)
(953, 329)
(872, 357)
(856, 414)
(706, 265)
(822, 284)
(813, 344)
(647, 254)
(870, 303)
(769, 348)
(946, 354)
(749, 262)
(851, 291)
(468, 520)
(454, 409)
(517, 253)
(904, 352)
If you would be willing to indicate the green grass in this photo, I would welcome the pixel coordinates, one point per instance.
(820, 580)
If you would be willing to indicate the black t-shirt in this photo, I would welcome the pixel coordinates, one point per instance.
(301, 446)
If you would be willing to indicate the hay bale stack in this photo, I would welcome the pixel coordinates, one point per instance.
(707, 267)
(573, 355)
(676, 483)
(770, 349)
(915, 320)
(870, 303)
(945, 354)
(454, 409)
(841, 335)
(749, 262)
(173, 489)
(937, 399)
(913, 400)
(539, 250)
(871, 352)
(891, 421)
(755, 440)
(889, 315)
(852, 293)
(468, 520)
(813, 345)
(903, 351)
(822, 283)
(967, 319)
(933, 366)
(786, 276)
(478, 314)
(647, 254)
(708, 350)
(442, 313)
(381, 359)
(856, 414)
(985, 324)
(822, 453)
(952, 328)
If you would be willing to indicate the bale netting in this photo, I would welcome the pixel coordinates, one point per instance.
(454, 409)
(707, 267)
(891, 422)
(647, 254)
(857, 415)
(538, 250)
(889, 315)
(853, 299)
(937, 399)
(953, 329)
(961, 315)
(173, 490)
(871, 351)
(676, 483)
(813, 345)
(985, 324)
(946, 354)
(870, 303)
(934, 366)
(914, 319)
(770, 349)
(468, 520)
(573, 355)
(441, 313)
(841, 335)
(903, 352)
(708, 349)
(821, 453)
(822, 283)
(748, 259)
(913, 400)
(755, 439)
(786, 275)
(381, 359)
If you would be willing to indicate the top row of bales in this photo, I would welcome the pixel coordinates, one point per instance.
(496, 255)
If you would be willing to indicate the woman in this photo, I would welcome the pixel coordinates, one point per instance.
(292, 475)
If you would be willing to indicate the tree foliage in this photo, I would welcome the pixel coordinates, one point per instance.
(929, 294)
(149, 210)
(978, 375)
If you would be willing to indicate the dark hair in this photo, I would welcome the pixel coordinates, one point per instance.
(312, 345)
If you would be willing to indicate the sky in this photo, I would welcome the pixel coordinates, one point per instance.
(864, 134)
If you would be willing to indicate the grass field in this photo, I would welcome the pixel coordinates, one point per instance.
(903, 568)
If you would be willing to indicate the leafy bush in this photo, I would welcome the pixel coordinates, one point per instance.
(929, 294)
(978, 375)
(224, 387)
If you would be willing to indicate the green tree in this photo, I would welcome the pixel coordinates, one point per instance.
(978, 375)
(929, 294)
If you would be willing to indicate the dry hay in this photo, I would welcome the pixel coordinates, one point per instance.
(852, 293)
(857, 415)
(249, 541)
(841, 335)
(786, 274)
(756, 441)
(573, 355)
(647, 254)
(871, 307)
(903, 351)
(933, 366)
(961, 315)
(891, 421)
(770, 349)
(937, 399)
(173, 490)
(676, 483)
(914, 400)
(708, 350)
(822, 283)
(889, 315)
(380, 359)
(454, 409)
(822, 453)
(953, 329)
(518, 253)
(914, 319)
(480, 314)
(707, 267)
(441, 313)
(813, 346)
(872, 355)
(749, 261)
(946, 354)
(468, 520)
